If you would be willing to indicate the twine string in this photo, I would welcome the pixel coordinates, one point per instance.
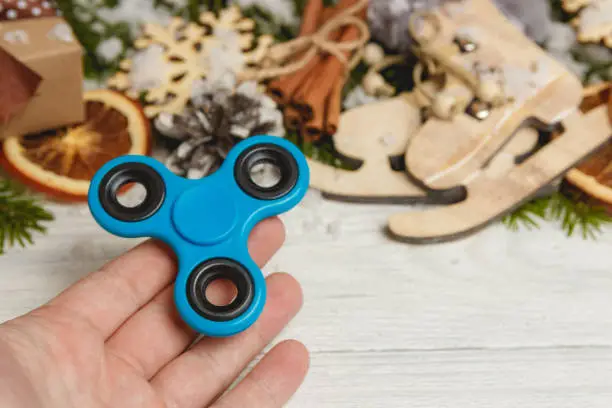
(437, 60)
(433, 60)
(310, 46)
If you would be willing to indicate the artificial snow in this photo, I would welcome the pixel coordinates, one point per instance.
(61, 32)
(224, 58)
(357, 97)
(134, 13)
(562, 38)
(533, 17)
(110, 49)
(148, 68)
(17, 36)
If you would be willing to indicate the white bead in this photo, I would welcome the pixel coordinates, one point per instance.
(373, 54)
(36, 12)
(373, 83)
(45, 4)
(11, 14)
(489, 91)
(22, 4)
(444, 106)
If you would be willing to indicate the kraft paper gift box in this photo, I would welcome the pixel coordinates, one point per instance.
(41, 70)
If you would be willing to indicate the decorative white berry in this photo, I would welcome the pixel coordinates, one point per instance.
(373, 82)
(489, 90)
(110, 49)
(373, 54)
(444, 106)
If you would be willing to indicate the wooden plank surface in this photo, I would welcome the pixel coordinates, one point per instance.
(500, 319)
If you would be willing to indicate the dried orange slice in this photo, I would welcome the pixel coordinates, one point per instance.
(594, 176)
(61, 162)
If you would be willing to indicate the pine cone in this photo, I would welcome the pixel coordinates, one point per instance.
(215, 120)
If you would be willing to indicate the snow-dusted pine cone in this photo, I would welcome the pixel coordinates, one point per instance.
(216, 119)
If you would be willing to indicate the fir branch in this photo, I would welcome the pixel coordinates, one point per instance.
(355, 78)
(323, 152)
(558, 12)
(20, 216)
(528, 215)
(573, 215)
(83, 18)
(267, 23)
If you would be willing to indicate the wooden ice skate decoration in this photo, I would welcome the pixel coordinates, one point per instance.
(510, 81)
(374, 135)
(490, 197)
(493, 82)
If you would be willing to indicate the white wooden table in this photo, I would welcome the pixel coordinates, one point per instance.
(499, 320)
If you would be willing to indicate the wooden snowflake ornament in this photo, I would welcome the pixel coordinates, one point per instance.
(171, 58)
(594, 22)
(572, 6)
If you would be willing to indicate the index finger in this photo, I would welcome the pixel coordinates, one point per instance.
(109, 296)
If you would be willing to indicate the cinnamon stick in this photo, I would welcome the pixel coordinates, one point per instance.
(311, 20)
(316, 91)
(284, 88)
(293, 119)
(610, 104)
(309, 83)
(333, 109)
(325, 118)
(311, 96)
(281, 88)
(314, 121)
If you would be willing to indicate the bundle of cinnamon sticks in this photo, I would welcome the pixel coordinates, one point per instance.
(311, 97)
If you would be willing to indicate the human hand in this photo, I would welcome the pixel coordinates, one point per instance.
(114, 339)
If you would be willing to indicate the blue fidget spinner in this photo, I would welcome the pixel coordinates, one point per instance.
(206, 222)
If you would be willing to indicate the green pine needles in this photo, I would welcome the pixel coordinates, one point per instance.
(20, 216)
(573, 215)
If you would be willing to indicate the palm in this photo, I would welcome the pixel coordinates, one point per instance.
(72, 358)
(113, 340)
